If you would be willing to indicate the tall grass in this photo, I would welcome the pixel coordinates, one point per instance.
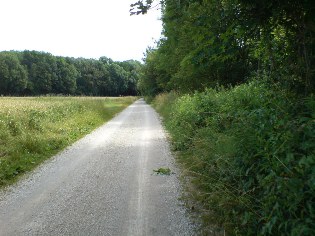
(251, 152)
(34, 129)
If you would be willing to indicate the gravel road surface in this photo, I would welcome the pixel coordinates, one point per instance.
(104, 184)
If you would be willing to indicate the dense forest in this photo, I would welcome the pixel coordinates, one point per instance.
(234, 80)
(37, 73)
(212, 42)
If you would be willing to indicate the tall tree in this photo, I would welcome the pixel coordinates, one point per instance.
(42, 70)
(13, 76)
(65, 80)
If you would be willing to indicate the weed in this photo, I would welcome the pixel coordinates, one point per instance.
(163, 171)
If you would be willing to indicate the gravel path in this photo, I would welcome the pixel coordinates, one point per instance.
(104, 184)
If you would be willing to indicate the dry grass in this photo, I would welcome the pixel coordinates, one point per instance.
(33, 129)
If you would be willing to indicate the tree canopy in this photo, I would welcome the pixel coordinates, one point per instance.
(37, 73)
(212, 42)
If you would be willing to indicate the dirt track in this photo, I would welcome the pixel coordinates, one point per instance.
(104, 184)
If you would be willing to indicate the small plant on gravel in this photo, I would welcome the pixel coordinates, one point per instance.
(163, 171)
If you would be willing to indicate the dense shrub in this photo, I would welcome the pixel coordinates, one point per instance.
(251, 150)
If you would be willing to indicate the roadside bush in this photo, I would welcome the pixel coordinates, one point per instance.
(163, 103)
(251, 150)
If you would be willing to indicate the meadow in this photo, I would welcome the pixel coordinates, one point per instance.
(33, 129)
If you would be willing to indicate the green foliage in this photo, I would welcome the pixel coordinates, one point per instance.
(212, 42)
(34, 129)
(251, 151)
(148, 82)
(163, 171)
(38, 73)
(13, 76)
(140, 7)
(66, 77)
(165, 98)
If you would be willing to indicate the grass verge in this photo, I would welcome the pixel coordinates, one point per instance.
(250, 153)
(34, 129)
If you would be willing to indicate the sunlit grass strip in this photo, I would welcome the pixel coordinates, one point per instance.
(34, 129)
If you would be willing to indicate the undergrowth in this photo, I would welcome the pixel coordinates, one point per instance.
(34, 129)
(251, 153)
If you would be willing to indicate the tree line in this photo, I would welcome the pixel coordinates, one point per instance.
(30, 73)
(211, 42)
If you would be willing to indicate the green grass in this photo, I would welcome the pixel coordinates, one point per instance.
(35, 128)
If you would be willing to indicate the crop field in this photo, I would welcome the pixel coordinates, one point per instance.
(35, 128)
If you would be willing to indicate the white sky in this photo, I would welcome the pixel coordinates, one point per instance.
(77, 28)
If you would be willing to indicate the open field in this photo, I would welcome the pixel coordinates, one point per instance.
(34, 129)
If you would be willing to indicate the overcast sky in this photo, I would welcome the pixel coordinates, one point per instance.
(77, 28)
